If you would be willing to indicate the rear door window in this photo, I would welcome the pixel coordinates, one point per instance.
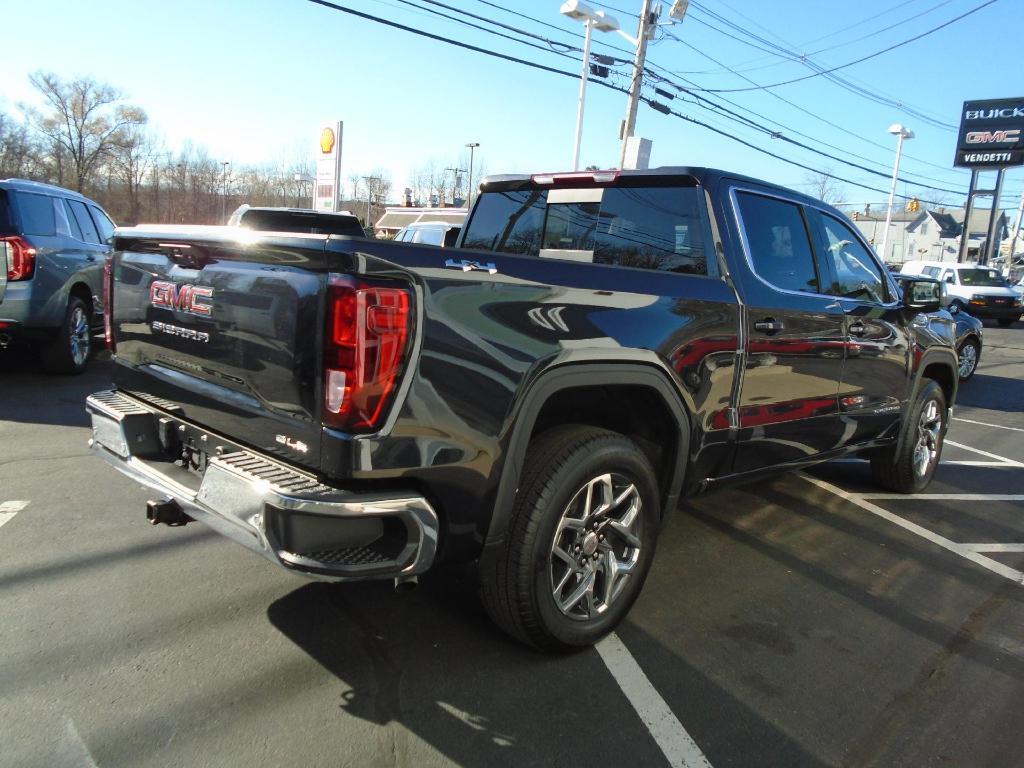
(780, 247)
(89, 232)
(37, 214)
(76, 231)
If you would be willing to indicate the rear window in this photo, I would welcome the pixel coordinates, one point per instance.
(297, 221)
(6, 227)
(36, 214)
(660, 228)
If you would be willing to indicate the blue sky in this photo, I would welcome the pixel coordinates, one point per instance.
(252, 80)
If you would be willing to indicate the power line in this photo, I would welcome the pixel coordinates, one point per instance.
(862, 58)
(648, 101)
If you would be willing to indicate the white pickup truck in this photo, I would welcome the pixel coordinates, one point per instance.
(978, 288)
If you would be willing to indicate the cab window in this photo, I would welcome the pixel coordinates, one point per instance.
(857, 275)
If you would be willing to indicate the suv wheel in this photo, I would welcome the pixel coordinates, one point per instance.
(908, 466)
(968, 357)
(580, 541)
(69, 351)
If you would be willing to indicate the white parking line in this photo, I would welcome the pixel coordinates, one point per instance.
(997, 457)
(960, 549)
(945, 496)
(680, 750)
(995, 547)
(986, 424)
(8, 509)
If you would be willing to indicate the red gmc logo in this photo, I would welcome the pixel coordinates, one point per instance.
(1011, 136)
(184, 298)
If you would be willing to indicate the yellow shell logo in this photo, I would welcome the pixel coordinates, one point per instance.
(327, 141)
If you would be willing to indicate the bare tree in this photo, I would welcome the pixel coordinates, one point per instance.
(83, 120)
(19, 152)
(824, 186)
(133, 158)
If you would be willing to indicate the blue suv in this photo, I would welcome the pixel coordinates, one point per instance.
(53, 245)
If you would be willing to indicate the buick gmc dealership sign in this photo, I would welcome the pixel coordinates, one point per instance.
(991, 134)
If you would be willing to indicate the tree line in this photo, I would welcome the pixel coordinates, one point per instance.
(86, 137)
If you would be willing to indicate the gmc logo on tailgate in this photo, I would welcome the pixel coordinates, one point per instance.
(193, 299)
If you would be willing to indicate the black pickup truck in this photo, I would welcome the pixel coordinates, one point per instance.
(598, 346)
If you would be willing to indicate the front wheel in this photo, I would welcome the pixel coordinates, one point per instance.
(580, 541)
(909, 465)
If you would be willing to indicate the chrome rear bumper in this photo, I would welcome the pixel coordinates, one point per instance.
(286, 515)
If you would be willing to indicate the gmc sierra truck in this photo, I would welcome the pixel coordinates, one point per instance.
(597, 347)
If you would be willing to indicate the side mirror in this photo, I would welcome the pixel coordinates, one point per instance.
(921, 294)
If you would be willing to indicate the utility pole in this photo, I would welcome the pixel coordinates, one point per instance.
(1016, 232)
(224, 194)
(369, 195)
(469, 195)
(646, 23)
(455, 180)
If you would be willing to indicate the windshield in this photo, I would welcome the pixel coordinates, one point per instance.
(982, 277)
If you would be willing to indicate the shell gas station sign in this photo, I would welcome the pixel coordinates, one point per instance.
(328, 167)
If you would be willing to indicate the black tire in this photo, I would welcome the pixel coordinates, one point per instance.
(68, 352)
(1005, 322)
(968, 354)
(902, 467)
(517, 579)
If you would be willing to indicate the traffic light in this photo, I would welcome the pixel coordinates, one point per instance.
(914, 205)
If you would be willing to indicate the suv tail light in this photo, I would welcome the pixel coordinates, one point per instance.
(21, 258)
(108, 302)
(365, 343)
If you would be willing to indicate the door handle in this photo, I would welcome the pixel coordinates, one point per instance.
(858, 329)
(769, 325)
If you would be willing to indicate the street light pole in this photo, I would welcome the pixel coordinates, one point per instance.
(224, 194)
(469, 195)
(902, 133)
(589, 24)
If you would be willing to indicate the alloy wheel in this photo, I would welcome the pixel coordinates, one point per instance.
(79, 336)
(929, 431)
(968, 360)
(596, 546)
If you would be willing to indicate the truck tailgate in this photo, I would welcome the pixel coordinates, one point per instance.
(228, 331)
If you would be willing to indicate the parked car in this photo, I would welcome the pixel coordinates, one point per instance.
(981, 289)
(969, 332)
(536, 400)
(439, 233)
(302, 220)
(53, 244)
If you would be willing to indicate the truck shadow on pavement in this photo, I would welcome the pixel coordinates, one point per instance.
(30, 395)
(996, 393)
(432, 663)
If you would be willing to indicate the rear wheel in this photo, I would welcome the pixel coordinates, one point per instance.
(909, 465)
(580, 541)
(967, 355)
(69, 351)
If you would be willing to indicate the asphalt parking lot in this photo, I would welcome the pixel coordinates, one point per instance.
(803, 621)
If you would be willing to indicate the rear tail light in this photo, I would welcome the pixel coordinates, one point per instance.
(365, 341)
(108, 302)
(21, 258)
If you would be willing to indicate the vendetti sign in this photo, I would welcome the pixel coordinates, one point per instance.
(991, 134)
